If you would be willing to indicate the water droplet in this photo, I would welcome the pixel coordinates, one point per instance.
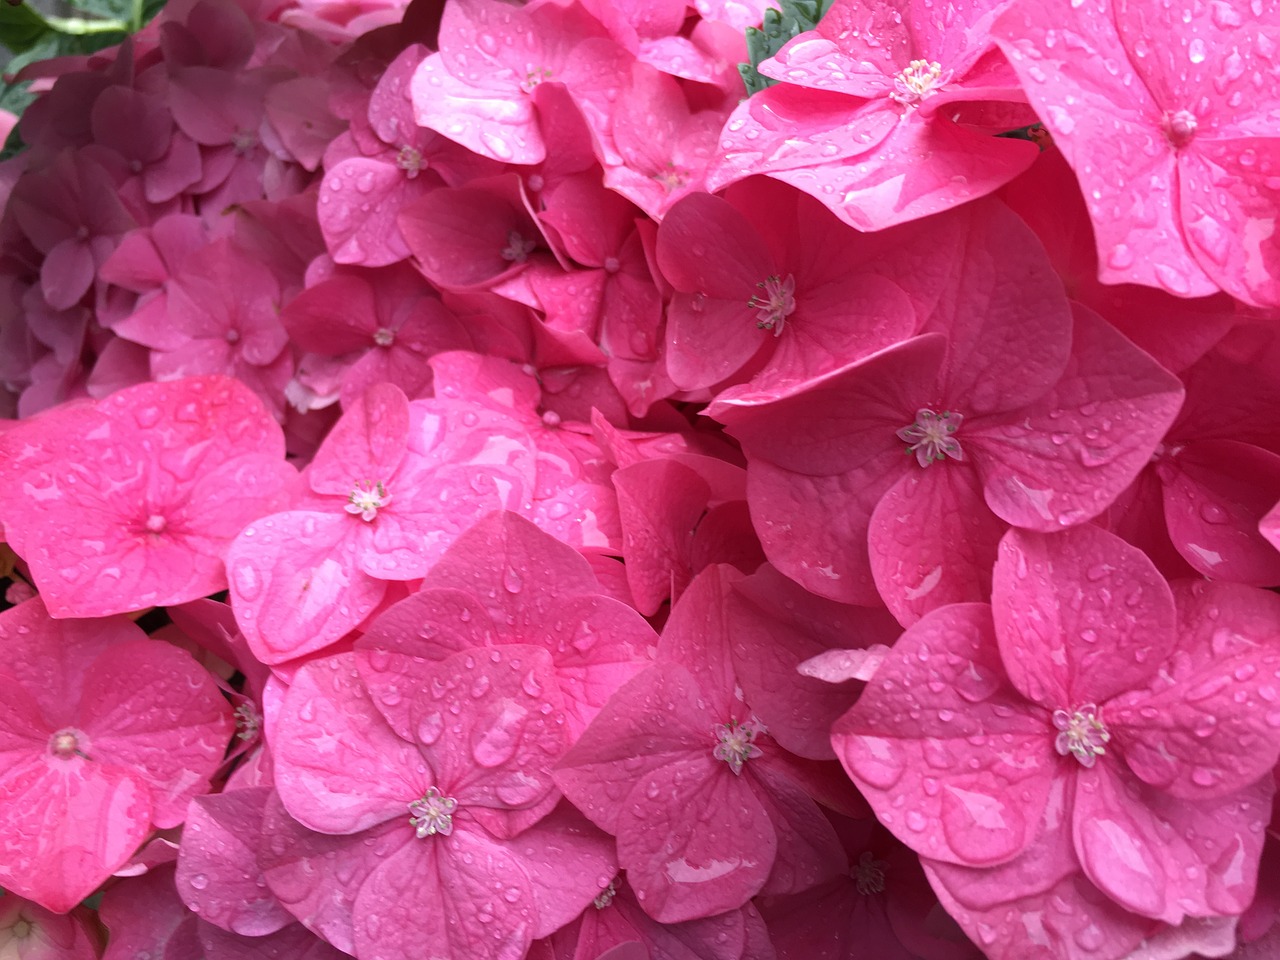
(200, 881)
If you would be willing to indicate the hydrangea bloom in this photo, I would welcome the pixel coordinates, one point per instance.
(1082, 726)
(133, 501)
(103, 734)
(1168, 120)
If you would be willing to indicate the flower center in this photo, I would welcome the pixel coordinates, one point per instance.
(518, 248)
(1081, 734)
(868, 874)
(606, 895)
(672, 177)
(919, 81)
(409, 159)
(366, 499)
(242, 141)
(1179, 126)
(156, 523)
(384, 337)
(777, 303)
(931, 437)
(433, 814)
(737, 743)
(248, 723)
(66, 744)
(534, 77)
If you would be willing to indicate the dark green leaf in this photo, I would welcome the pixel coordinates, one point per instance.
(793, 18)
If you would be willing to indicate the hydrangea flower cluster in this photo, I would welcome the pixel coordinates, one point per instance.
(474, 485)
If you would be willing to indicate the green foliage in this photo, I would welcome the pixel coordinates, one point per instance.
(32, 36)
(794, 17)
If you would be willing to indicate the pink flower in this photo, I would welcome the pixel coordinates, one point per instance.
(767, 281)
(480, 89)
(133, 501)
(904, 467)
(483, 592)
(707, 808)
(393, 484)
(444, 813)
(885, 113)
(103, 734)
(1167, 121)
(1081, 724)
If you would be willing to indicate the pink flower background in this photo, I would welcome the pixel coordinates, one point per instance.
(475, 485)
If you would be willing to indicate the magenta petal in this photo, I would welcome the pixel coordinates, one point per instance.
(705, 847)
(933, 542)
(1068, 455)
(360, 200)
(316, 876)
(100, 814)
(1081, 616)
(706, 246)
(1215, 493)
(629, 739)
(463, 895)
(924, 729)
(1207, 725)
(150, 708)
(1135, 847)
(568, 862)
(296, 586)
(146, 917)
(218, 875)
(774, 626)
(338, 767)
(365, 446)
(489, 724)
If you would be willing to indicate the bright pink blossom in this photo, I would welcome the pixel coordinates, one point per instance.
(132, 502)
(103, 734)
(480, 89)
(393, 484)
(904, 467)
(1082, 724)
(885, 113)
(506, 582)
(1167, 118)
(443, 820)
(707, 808)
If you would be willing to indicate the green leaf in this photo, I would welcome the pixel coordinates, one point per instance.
(21, 27)
(793, 18)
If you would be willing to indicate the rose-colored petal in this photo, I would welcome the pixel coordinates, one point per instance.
(1081, 616)
(926, 728)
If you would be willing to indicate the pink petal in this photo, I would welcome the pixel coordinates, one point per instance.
(708, 847)
(1081, 616)
(68, 825)
(932, 542)
(1206, 726)
(339, 767)
(1135, 848)
(1102, 420)
(775, 626)
(407, 903)
(218, 874)
(296, 585)
(366, 445)
(1215, 493)
(923, 730)
(150, 708)
(145, 916)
